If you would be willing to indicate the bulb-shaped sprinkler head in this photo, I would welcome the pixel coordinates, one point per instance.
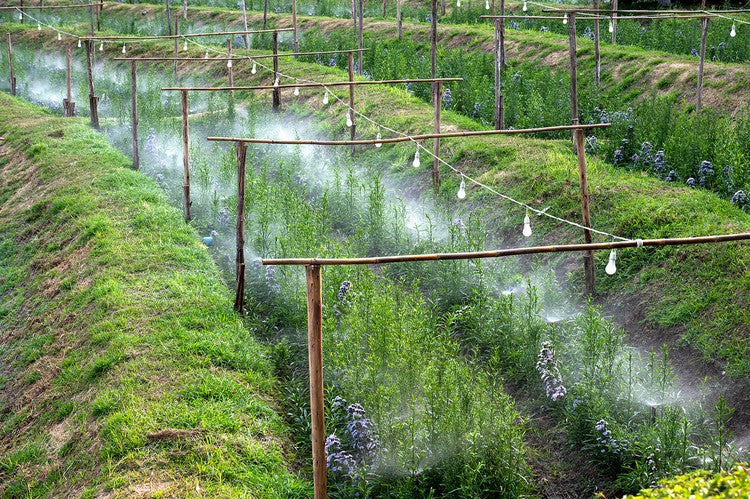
(611, 265)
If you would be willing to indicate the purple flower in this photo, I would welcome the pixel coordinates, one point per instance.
(546, 366)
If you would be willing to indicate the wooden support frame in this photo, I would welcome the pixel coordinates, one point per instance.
(134, 114)
(186, 154)
(169, 18)
(352, 117)
(316, 84)
(588, 258)
(246, 36)
(93, 99)
(184, 35)
(437, 104)
(68, 104)
(12, 77)
(315, 358)
(433, 40)
(51, 7)
(236, 58)
(276, 97)
(597, 50)
(499, 116)
(573, 64)
(176, 45)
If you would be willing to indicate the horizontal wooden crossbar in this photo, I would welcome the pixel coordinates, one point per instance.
(313, 84)
(411, 138)
(186, 35)
(50, 7)
(600, 17)
(238, 58)
(506, 252)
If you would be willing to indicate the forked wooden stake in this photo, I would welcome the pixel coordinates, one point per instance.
(93, 99)
(437, 102)
(276, 104)
(588, 258)
(350, 64)
(239, 297)
(12, 79)
(134, 114)
(315, 357)
(68, 104)
(185, 153)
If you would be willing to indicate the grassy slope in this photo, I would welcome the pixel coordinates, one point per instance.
(661, 294)
(724, 84)
(115, 326)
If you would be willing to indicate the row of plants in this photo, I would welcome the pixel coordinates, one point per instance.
(414, 355)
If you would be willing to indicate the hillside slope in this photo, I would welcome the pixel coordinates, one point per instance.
(123, 369)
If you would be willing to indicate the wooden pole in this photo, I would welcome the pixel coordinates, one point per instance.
(184, 9)
(597, 51)
(437, 102)
(360, 37)
(239, 297)
(315, 356)
(614, 21)
(185, 154)
(442, 7)
(230, 69)
(385, 7)
(134, 114)
(499, 98)
(573, 68)
(353, 128)
(244, 21)
(169, 19)
(92, 94)
(344, 83)
(68, 104)
(295, 34)
(354, 16)
(399, 23)
(276, 91)
(99, 17)
(588, 258)
(704, 33)
(502, 33)
(265, 13)
(176, 45)
(91, 19)
(12, 79)
(21, 16)
(433, 40)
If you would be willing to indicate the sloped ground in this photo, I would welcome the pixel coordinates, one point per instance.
(123, 369)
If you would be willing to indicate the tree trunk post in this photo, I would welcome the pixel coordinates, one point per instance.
(399, 22)
(230, 69)
(185, 154)
(295, 33)
(433, 40)
(360, 37)
(614, 22)
(239, 297)
(134, 114)
(597, 51)
(588, 258)
(176, 45)
(244, 22)
(315, 356)
(12, 79)
(265, 13)
(701, 63)
(437, 102)
(573, 68)
(68, 104)
(93, 107)
(352, 129)
(276, 91)
(169, 19)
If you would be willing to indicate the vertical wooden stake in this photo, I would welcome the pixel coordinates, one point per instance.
(184, 10)
(134, 114)
(573, 67)
(99, 10)
(499, 66)
(93, 107)
(385, 7)
(91, 18)
(295, 34)
(399, 23)
(704, 33)
(276, 91)
(360, 37)
(597, 52)
(614, 22)
(176, 45)
(244, 21)
(12, 79)
(21, 7)
(315, 356)
(239, 297)
(437, 102)
(185, 153)
(351, 99)
(588, 258)
(354, 15)
(68, 104)
(265, 13)
(230, 69)
(442, 7)
(433, 40)
(169, 19)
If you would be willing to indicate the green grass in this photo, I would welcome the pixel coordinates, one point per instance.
(115, 333)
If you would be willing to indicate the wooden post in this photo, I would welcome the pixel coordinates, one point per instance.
(573, 68)
(315, 356)
(437, 102)
(176, 45)
(21, 7)
(360, 38)
(169, 19)
(230, 69)
(276, 91)
(12, 79)
(295, 36)
(91, 18)
(99, 17)
(385, 7)
(185, 154)
(92, 94)
(499, 62)
(614, 21)
(68, 104)
(399, 23)
(134, 114)
(442, 7)
(184, 11)
(433, 40)
(354, 15)
(597, 52)
(352, 129)
(239, 297)
(588, 258)
(244, 21)
(265, 13)
(704, 33)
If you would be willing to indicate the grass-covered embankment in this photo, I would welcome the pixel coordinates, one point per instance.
(122, 365)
